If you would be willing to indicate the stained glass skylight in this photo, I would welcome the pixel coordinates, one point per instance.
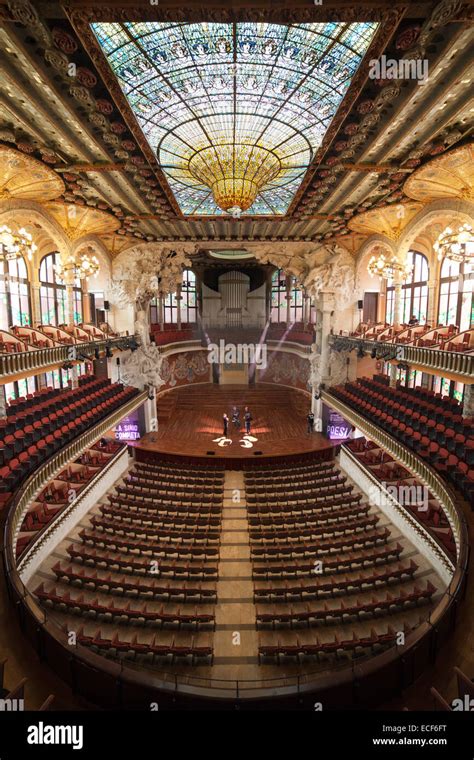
(248, 92)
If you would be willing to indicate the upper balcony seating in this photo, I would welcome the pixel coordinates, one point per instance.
(37, 426)
(171, 334)
(32, 337)
(58, 335)
(431, 425)
(445, 337)
(296, 332)
(462, 342)
(11, 344)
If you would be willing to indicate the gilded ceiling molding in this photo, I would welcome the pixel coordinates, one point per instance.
(387, 220)
(58, 47)
(25, 178)
(78, 221)
(412, 42)
(32, 214)
(448, 176)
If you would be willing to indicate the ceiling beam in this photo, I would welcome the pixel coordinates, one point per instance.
(94, 167)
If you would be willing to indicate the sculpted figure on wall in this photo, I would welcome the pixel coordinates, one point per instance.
(337, 273)
(144, 272)
(142, 368)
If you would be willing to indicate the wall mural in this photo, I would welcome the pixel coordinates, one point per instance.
(287, 369)
(184, 369)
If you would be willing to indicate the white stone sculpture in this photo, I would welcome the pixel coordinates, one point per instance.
(142, 368)
(337, 274)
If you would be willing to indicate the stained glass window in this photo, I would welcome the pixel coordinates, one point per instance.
(187, 304)
(414, 294)
(280, 283)
(456, 298)
(53, 295)
(14, 294)
(205, 88)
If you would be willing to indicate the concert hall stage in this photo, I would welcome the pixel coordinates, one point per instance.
(190, 423)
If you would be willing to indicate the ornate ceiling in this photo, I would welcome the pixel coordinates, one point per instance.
(63, 106)
(449, 176)
(204, 93)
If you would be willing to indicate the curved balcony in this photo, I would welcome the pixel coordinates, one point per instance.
(428, 359)
(21, 363)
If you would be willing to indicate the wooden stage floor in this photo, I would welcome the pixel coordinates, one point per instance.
(190, 422)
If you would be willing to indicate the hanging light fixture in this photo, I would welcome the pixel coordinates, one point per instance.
(70, 268)
(386, 266)
(235, 173)
(456, 244)
(15, 245)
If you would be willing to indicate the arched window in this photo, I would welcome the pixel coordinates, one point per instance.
(456, 302)
(414, 292)
(53, 294)
(279, 289)
(187, 305)
(15, 306)
(415, 289)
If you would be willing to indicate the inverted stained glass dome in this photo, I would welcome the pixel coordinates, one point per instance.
(234, 112)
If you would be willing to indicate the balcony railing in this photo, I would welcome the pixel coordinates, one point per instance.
(434, 359)
(408, 458)
(42, 358)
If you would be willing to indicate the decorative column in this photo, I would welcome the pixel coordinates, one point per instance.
(35, 293)
(268, 297)
(397, 300)
(468, 403)
(431, 315)
(86, 310)
(326, 306)
(3, 402)
(393, 375)
(306, 302)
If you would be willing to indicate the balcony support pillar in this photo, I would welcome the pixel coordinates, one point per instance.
(468, 403)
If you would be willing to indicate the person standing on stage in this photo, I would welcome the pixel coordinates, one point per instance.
(236, 418)
(225, 421)
(248, 420)
(310, 420)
